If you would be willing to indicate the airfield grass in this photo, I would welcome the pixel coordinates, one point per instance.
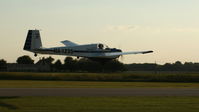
(99, 80)
(92, 84)
(105, 77)
(99, 104)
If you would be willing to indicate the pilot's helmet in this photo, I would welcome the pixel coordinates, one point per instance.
(100, 46)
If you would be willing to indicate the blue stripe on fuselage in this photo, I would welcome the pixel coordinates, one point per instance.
(57, 50)
(102, 51)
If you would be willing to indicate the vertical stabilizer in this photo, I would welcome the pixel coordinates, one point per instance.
(33, 41)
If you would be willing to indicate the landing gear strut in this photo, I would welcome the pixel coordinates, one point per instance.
(35, 55)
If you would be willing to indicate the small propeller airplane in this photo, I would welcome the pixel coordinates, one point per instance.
(98, 52)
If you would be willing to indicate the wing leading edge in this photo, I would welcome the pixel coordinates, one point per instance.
(68, 43)
(127, 53)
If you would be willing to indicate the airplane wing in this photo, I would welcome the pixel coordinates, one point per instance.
(126, 53)
(68, 43)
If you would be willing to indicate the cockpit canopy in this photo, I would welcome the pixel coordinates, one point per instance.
(102, 46)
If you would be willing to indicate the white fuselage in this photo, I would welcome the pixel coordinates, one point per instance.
(88, 51)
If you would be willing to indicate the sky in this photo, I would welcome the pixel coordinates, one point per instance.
(168, 27)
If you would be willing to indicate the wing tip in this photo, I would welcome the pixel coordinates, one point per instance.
(147, 52)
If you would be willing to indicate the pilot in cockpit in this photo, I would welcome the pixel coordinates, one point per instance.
(101, 46)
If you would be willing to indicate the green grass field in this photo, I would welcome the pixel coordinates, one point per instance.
(111, 77)
(98, 80)
(90, 84)
(99, 104)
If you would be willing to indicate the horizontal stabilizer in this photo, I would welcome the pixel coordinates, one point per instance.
(68, 43)
(126, 53)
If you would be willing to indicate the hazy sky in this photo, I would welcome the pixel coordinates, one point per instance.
(169, 27)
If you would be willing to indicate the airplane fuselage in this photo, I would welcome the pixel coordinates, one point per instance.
(87, 51)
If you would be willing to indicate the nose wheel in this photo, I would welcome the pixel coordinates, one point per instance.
(35, 55)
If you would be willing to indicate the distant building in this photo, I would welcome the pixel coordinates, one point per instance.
(13, 67)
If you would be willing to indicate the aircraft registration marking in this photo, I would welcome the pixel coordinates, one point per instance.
(66, 51)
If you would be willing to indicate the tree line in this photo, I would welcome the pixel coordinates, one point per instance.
(70, 64)
(177, 66)
(85, 65)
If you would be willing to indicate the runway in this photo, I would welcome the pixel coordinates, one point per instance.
(78, 92)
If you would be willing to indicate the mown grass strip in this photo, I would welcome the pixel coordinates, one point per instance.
(125, 77)
(92, 84)
(99, 104)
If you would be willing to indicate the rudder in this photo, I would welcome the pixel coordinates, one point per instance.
(33, 41)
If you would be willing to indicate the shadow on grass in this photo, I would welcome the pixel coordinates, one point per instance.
(9, 106)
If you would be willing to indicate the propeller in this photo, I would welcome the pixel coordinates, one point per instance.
(121, 58)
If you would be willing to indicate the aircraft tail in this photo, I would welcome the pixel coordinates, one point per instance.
(33, 41)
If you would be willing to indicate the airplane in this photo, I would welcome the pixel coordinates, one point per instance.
(98, 52)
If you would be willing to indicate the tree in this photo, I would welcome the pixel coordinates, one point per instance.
(3, 65)
(49, 60)
(141, 67)
(46, 61)
(2, 62)
(113, 66)
(88, 65)
(25, 60)
(58, 65)
(178, 66)
(70, 64)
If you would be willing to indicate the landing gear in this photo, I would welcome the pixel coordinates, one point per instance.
(35, 55)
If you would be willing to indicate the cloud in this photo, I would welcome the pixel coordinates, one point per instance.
(151, 29)
(123, 28)
(185, 29)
